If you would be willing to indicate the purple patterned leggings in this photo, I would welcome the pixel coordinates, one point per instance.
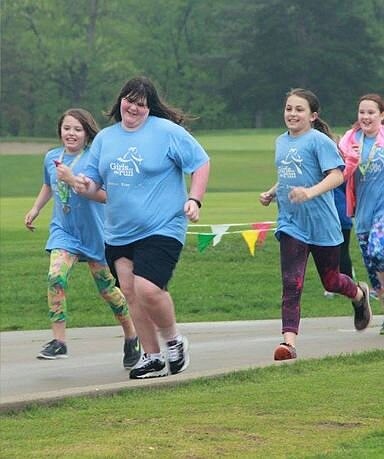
(294, 258)
(372, 250)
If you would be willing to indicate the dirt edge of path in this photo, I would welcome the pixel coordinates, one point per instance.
(25, 148)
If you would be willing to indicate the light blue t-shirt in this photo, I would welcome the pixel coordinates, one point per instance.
(79, 231)
(369, 186)
(143, 174)
(303, 161)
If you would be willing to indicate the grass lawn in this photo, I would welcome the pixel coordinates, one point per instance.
(328, 408)
(223, 283)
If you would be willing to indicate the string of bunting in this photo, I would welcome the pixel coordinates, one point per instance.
(256, 235)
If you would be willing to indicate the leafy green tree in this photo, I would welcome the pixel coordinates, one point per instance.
(60, 54)
(285, 44)
(230, 63)
(171, 49)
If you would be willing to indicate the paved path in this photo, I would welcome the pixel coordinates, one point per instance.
(94, 365)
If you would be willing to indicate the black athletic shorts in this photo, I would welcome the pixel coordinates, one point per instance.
(153, 257)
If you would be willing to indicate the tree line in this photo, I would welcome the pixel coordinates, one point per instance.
(229, 63)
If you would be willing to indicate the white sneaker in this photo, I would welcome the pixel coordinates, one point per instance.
(147, 367)
(178, 355)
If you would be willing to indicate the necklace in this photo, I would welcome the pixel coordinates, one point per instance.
(364, 167)
(62, 187)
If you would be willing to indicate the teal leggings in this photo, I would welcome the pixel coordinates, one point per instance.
(61, 264)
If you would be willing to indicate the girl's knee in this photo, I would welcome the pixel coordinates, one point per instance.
(148, 291)
(57, 281)
(104, 280)
(111, 294)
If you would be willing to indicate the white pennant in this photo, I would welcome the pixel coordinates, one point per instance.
(218, 231)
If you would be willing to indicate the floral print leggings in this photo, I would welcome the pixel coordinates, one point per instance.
(61, 264)
(372, 249)
(294, 258)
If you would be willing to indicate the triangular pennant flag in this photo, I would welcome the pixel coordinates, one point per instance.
(203, 241)
(250, 237)
(263, 227)
(218, 231)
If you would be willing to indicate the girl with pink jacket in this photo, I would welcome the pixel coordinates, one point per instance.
(363, 151)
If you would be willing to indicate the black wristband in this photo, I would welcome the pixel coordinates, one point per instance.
(196, 201)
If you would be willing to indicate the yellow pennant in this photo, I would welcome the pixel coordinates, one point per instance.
(250, 237)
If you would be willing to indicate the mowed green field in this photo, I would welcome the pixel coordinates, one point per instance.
(281, 411)
(222, 283)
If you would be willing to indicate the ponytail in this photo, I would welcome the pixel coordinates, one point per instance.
(323, 127)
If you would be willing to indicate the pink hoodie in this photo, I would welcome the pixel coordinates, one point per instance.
(352, 160)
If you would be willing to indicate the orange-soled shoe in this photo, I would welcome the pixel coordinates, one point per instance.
(285, 351)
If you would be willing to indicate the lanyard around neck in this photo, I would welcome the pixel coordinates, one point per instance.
(72, 164)
(364, 167)
(62, 187)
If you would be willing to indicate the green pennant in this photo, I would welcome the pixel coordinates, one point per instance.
(203, 241)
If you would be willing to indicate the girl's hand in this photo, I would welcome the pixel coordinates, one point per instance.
(192, 211)
(266, 198)
(28, 219)
(81, 183)
(65, 174)
(299, 194)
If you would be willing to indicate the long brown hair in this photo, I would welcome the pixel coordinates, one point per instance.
(141, 88)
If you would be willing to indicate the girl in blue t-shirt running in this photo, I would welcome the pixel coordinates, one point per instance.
(141, 160)
(309, 167)
(76, 234)
(363, 150)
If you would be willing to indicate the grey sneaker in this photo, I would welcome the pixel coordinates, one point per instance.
(178, 355)
(53, 350)
(148, 367)
(363, 313)
(132, 352)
